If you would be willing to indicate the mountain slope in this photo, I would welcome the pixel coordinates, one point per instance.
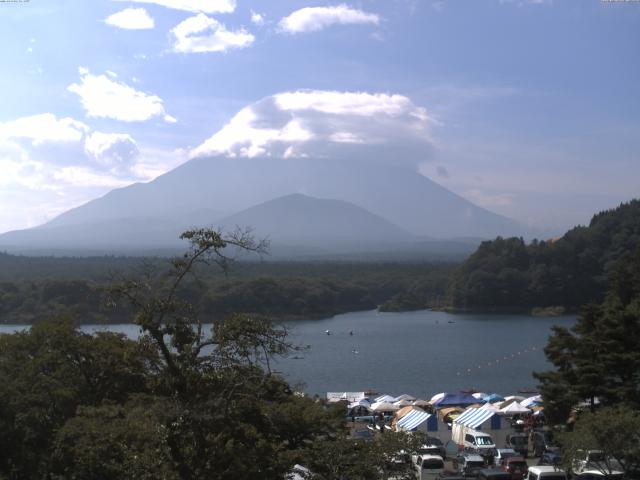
(298, 219)
(400, 195)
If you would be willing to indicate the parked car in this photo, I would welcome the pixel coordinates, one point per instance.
(590, 461)
(468, 464)
(545, 472)
(480, 443)
(516, 466)
(542, 441)
(598, 475)
(550, 458)
(428, 467)
(519, 442)
(502, 454)
(493, 474)
(433, 446)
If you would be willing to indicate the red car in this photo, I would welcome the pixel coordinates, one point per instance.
(516, 466)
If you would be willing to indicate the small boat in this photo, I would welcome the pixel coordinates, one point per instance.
(328, 332)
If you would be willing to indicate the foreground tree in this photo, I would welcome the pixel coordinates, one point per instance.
(598, 358)
(613, 431)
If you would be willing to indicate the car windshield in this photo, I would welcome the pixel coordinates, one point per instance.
(430, 450)
(518, 440)
(475, 464)
(484, 441)
(518, 465)
(434, 441)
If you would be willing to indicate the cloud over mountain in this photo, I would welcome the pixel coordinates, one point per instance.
(319, 123)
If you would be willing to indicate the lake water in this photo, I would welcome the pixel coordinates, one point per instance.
(421, 353)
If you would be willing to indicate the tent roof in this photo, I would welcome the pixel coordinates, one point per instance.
(405, 396)
(412, 420)
(493, 397)
(515, 407)
(384, 407)
(437, 397)
(385, 398)
(535, 400)
(474, 417)
(453, 399)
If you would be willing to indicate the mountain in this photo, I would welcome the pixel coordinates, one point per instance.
(298, 219)
(227, 186)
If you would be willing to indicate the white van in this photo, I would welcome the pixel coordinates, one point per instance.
(546, 472)
(481, 443)
(428, 466)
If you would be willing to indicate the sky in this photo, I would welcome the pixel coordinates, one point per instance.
(529, 108)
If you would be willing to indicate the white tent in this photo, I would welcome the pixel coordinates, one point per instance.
(479, 395)
(384, 407)
(385, 398)
(402, 403)
(517, 398)
(420, 403)
(490, 406)
(437, 397)
(527, 402)
(404, 396)
(515, 407)
(360, 403)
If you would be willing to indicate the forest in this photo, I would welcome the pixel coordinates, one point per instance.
(511, 275)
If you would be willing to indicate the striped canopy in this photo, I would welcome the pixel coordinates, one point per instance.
(474, 417)
(412, 420)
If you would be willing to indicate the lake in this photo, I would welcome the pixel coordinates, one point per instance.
(421, 353)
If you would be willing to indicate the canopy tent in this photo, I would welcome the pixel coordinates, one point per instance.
(532, 401)
(402, 412)
(493, 397)
(437, 397)
(479, 395)
(490, 406)
(515, 407)
(412, 420)
(474, 417)
(360, 403)
(385, 398)
(421, 403)
(383, 407)
(448, 414)
(402, 403)
(514, 397)
(455, 399)
(405, 396)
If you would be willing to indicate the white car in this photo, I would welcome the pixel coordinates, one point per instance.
(545, 472)
(428, 466)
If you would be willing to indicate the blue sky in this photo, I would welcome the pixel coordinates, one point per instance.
(528, 108)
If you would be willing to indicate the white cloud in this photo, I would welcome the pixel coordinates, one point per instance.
(106, 98)
(317, 123)
(42, 128)
(49, 165)
(204, 34)
(111, 150)
(313, 19)
(194, 6)
(131, 19)
(257, 18)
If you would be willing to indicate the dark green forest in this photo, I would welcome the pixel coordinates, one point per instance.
(509, 274)
(33, 288)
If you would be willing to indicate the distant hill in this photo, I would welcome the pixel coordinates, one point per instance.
(205, 190)
(508, 274)
(298, 219)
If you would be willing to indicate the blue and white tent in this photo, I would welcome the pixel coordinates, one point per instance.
(413, 420)
(486, 420)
